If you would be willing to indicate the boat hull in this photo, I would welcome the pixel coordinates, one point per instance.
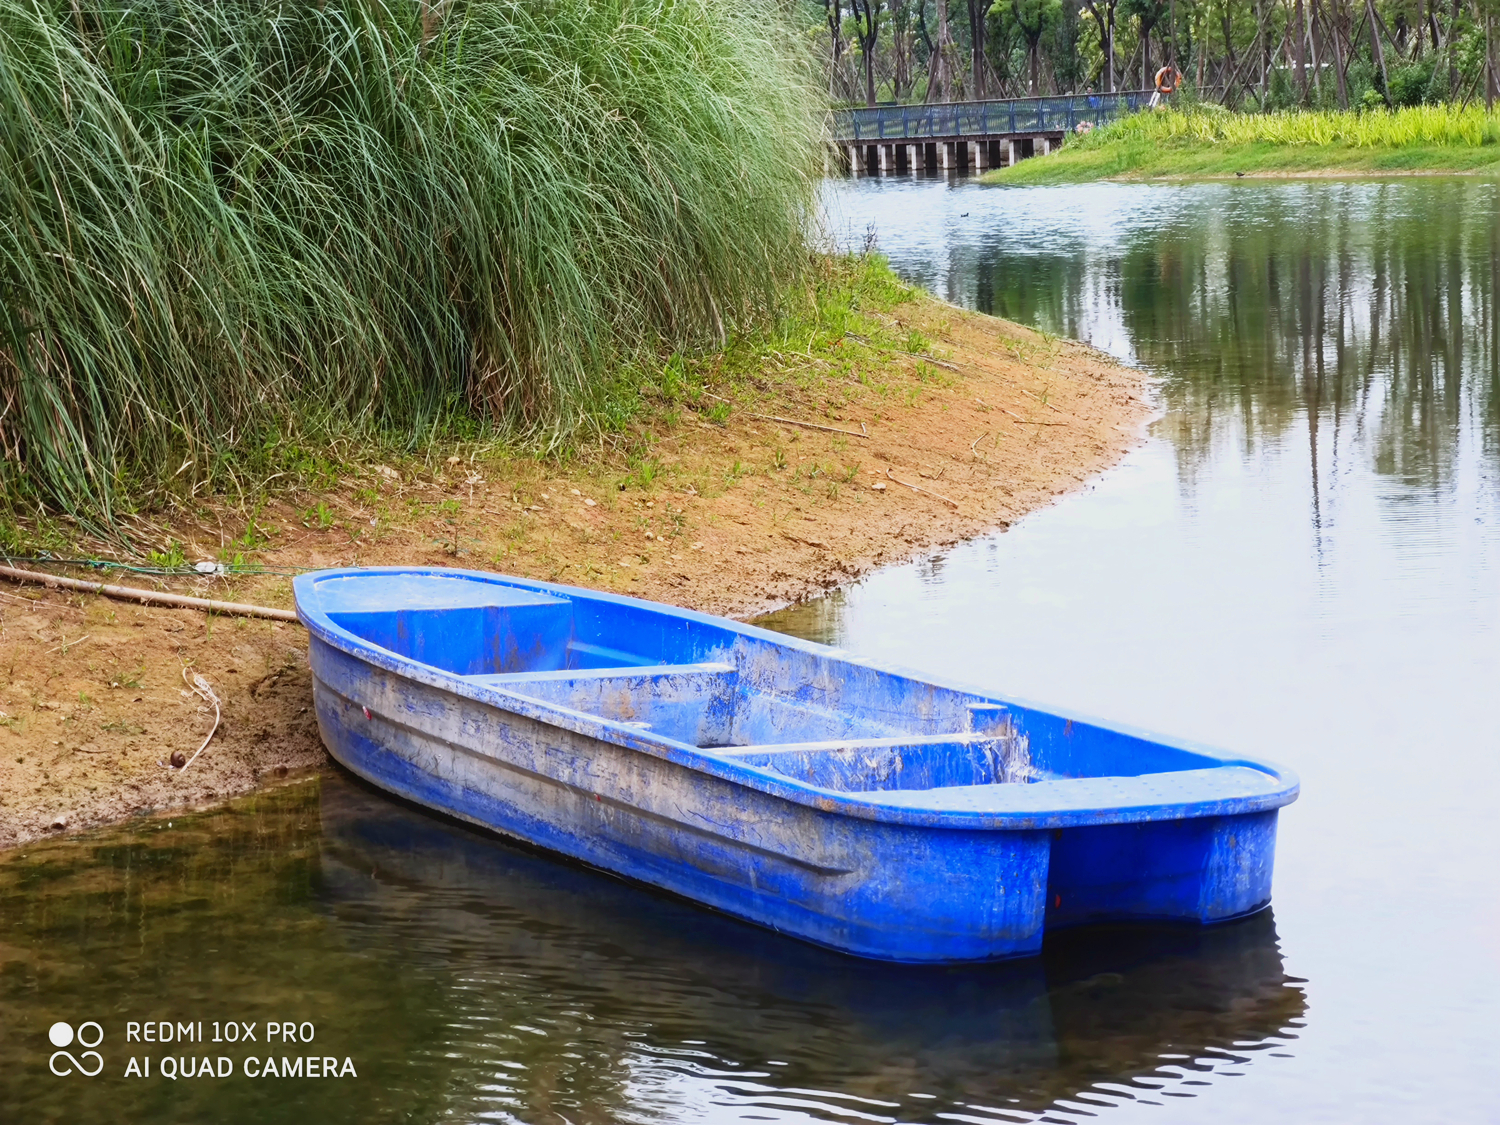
(889, 889)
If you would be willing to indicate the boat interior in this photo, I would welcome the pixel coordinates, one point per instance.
(794, 709)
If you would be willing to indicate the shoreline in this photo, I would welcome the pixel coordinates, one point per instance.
(1208, 143)
(1105, 166)
(1286, 174)
(921, 425)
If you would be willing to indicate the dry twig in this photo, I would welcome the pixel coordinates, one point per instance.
(810, 425)
(923, 491)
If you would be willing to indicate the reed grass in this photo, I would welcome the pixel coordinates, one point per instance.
(1209, 140)
(233, 225)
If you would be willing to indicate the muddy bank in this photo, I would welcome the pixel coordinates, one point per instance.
(926, 426)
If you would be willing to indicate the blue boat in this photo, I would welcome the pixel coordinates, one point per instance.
(827, 797)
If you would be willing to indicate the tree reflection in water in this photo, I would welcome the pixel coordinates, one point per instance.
(1366, 309)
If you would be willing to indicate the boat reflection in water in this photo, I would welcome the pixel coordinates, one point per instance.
(636, 1003)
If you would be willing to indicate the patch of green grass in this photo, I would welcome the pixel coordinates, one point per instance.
(1207, 142)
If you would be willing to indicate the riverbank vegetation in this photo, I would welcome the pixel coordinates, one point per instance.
(869, 424)
(1204, 142)
(1259, 55)
(235, 234)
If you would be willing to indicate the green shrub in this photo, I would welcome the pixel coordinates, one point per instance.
(231, 218)
(1409, 83)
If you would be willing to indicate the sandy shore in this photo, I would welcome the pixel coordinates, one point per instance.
(900, 454)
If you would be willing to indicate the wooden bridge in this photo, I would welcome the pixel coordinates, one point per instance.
(969, 135)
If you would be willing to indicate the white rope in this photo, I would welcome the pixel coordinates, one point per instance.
(205, 692)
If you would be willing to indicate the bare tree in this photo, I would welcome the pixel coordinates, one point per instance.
(940, 76)
(867, 31)
(833, 15)
(979, 11)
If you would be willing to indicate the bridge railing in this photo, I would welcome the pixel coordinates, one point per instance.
(977, 119)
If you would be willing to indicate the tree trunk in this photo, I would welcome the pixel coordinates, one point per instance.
(1201, 41)
(1171, 55)
(1231, 68)
(833, 12)
(1298, 31)
(978, 62)
(1265, 51)
(1489, 63)
(1338, 52)
(867, 27)
(940, 76)
(1313, 22)
(1375, 52)
(1109, 53)
(1452, 52)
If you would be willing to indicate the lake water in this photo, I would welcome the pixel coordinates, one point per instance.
(1299, 563)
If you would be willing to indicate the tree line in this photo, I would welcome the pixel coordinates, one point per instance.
(1245, 54)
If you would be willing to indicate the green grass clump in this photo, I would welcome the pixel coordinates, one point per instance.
(230, 225)
(1209, 141)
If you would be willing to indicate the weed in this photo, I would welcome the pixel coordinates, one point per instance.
(319, 516)
(643, 473)
(170, 559)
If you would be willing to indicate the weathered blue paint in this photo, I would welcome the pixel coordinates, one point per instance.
(787, 783)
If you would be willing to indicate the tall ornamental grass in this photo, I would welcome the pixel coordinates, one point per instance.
(1441, 126)
(224, 220)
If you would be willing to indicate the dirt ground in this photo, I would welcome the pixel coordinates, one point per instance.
(726, 507)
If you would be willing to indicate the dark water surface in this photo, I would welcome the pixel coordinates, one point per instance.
(1299, 563)
(472, 981)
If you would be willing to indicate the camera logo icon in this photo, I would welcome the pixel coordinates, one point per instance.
(89, 1035)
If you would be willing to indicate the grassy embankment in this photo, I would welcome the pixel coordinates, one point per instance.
(241, 240)
(1205, 143)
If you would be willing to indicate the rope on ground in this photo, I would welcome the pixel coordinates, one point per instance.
(186, 570)
(148, 597)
